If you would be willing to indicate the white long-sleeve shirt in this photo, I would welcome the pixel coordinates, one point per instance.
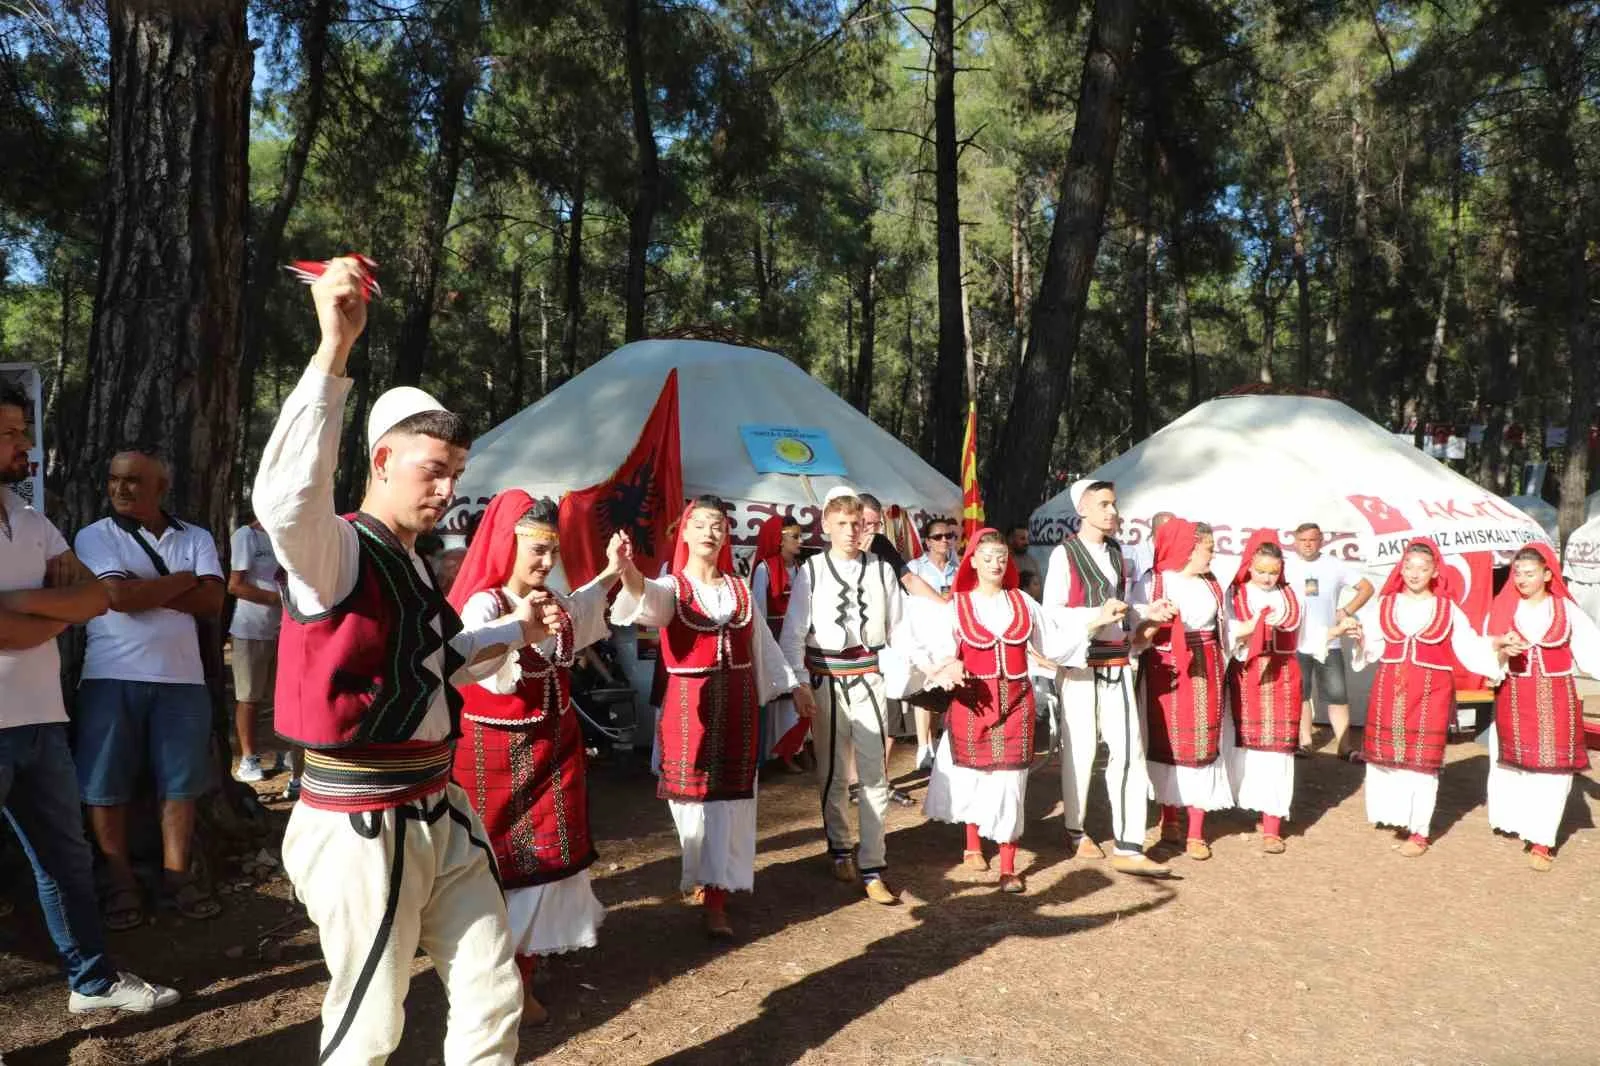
(797, 623)
(658, 605)
(1411, 616)
(1197, 607)
(1533, 622)
(928, 637)
(1058, 586)
(320, 552)
(502, 674)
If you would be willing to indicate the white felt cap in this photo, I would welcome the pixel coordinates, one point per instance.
(1075, 493)
(394, 407)
(837, 492)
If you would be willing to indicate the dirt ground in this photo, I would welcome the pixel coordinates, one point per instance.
(1339, 951)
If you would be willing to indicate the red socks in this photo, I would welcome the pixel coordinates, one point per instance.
(526, 964)
(974, 842)
(1008, 859)
(1541, 849)
(1271, 825)
(716, 899)
(1419, 839)
(1169, 814)
(1197, 823)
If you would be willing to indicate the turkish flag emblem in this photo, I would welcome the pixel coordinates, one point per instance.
(1382, 517)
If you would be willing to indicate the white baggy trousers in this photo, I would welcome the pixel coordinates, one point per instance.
(1100, 704)
(849, 725)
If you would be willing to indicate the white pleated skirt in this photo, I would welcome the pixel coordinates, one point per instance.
(993, 800)
(553, 918)
(1205, 787)
(1261, 780)
(1524, 803)
(719, 843)
(1403, 799)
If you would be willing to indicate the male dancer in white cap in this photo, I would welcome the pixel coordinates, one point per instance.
(384, 852)
(1086, 572)
(843, 607)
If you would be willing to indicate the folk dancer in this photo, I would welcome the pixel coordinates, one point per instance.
(521, 757)
(1536, 744)
(722, 664)
(979, 652)
(1086, 574)
(843, 608)
(385, 853)
(1265, 617)
(1180, 683)
(783, 732)
(1416, 635)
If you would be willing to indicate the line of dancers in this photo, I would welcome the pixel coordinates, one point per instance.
(444, 803)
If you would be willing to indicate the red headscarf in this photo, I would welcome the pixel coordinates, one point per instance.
(493, 550)
(1503, 612)
(680, 550)
(1241, 577)
(1175, 544)
(967, 576)
(769, 550)
(1445, 582)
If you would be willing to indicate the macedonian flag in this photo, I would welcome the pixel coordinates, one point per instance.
(971, 498)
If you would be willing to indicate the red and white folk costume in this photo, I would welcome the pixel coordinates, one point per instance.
(1181, 676)
(521, 757)
(1416, 640)
(980, 770)
(1536, 744)
(783, 735)
(1264, 692)
(722, 663)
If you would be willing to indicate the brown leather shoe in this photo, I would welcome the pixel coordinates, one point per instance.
(1139, 866)
(1272, 845)
(1012, 884)
(1088, 849)
(533, 1012)
(1172, 833)
(974, 860)
(1198, 850)
(717, 925)
(1540, 861)
(844, 869)
(1411, 849)
(878, 891)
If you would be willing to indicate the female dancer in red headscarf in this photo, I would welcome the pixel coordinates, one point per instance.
(520, 758)
(1264, 618)
(1416, 635)
(783, 732)
(1181, 682)
(977, 647)
(1536, 743)
(722, 664)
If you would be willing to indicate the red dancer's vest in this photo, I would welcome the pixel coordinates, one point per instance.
(1264, 690)
(1413, 693)
(1538, 716)
(991, 716)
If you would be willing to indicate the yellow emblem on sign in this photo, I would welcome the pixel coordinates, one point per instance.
(791, 450)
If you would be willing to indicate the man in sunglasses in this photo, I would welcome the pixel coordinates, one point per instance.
(937, 566)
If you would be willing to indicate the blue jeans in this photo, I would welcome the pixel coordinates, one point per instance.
(39, 792)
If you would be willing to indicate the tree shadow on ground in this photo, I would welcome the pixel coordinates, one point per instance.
(803, 1016)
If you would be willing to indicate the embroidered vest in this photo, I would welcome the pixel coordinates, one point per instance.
(694, 644)
(1550, 655)
(1428, 648)
(543, 691)
(836, 602)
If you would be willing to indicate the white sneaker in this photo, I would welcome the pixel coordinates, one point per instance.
(249, 769)
(130, 993)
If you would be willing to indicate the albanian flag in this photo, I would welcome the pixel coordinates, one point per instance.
(642, 499)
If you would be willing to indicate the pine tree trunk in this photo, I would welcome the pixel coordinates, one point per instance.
(1501, 354)
(1360, 349)
(165, 345)
(861, 380)
(1302, 273)
(1562, 146)
(519, 372)
(1021, 458)
(444, 169)
(950, 367)
(1180, 272)
(647, 182)
(574, 286)
(1136, 346)
(266, 243)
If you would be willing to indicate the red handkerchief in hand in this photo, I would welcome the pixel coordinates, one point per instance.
(309, 270)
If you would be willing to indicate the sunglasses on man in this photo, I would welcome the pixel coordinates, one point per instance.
(941, 536)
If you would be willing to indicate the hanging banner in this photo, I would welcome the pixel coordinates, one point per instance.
(25, 376)
(791, 450)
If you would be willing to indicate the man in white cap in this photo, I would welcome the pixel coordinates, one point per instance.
(383, 851)
(1085, 572)
(843, 607)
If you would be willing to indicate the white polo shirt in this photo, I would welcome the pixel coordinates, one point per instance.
(253, 557)
(160, 645)
(1320, 584)
(30, 680)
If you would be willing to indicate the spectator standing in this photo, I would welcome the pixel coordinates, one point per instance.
(143, 699)
(43, 590)
(1319, 580)
(253, 581)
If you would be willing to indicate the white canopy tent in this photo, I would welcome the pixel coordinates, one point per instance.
(580, 433)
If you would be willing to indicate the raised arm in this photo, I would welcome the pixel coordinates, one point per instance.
(293, 492)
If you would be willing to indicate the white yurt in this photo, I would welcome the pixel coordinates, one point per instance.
(1542, 512)
(1581, 565)
(580, 433)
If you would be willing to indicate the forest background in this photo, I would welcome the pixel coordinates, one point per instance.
(1091, 215)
